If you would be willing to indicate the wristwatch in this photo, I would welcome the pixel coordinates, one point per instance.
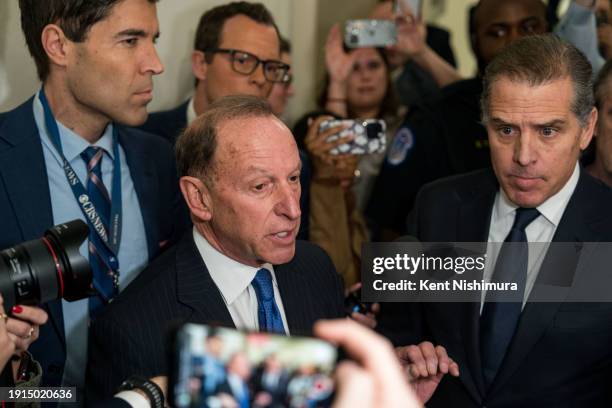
(151, 390)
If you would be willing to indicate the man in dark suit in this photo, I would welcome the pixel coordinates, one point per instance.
(270, 383)
(240, 266)
(96, 64)
(236, 52)
(538, 111)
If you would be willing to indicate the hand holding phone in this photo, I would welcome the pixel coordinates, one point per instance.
(368, 136)
(369, 33)
(408, 7)
(225, 367)
(374, 378)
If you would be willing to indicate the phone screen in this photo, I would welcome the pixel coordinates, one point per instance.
(408, 6)
(220, 367)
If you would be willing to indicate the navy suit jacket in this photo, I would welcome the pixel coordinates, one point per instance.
(25, 206)
(168, 124)
(560, 355)
(130, 337)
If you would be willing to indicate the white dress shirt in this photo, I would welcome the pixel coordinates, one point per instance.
(191, 113)
(540, 231)
(234, 282)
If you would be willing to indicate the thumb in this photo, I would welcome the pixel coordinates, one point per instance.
(355, 387)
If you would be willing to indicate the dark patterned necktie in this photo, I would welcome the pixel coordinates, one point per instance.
(500, 318)
(99, 254)
(267, 311)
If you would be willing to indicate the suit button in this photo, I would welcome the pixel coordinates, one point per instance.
(54, 369)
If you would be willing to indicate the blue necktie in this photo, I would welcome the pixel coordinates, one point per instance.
(267, 311)
(99, 254)
(499, 319)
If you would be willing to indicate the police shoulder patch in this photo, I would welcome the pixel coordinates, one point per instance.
(400, 146)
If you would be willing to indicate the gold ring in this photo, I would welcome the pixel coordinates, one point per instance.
(29, 333)
(4, 316)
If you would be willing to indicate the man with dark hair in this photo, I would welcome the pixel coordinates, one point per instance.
(600, 165)
(539, 114)
(241, 265)
(65, 155)
(236, 52)
(446, 137)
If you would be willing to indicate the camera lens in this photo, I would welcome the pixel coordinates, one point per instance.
(47, 268)
(373, 130)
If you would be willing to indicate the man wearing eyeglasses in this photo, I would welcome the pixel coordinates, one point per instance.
(282, 91)
(236, 52)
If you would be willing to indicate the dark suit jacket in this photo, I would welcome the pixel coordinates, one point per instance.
(167, 124)
(25, 206)
(130, 336)
(560, 355)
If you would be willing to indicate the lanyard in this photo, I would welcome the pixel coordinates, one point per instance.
(110, 238)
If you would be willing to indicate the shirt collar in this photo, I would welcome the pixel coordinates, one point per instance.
(72, 144)
(231, 277)
(191, 113)
(552, 209)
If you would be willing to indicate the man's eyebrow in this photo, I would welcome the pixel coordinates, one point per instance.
(499, 121)
(553, 123)
(134, 32)
(257, 169)
(530, 19)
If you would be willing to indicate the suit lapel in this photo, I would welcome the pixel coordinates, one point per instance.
(195, 286)
(556, 275)
(289, 285)
(477, 205)
(143, 178)
(27, 187)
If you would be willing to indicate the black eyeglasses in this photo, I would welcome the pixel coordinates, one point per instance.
(246, 63)
(287, 79)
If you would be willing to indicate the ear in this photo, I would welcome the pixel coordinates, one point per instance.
(56, 45)
(199, 65)
(197, 196)
(588, 130)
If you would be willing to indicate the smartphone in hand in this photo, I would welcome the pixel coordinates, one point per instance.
(369, 135)
(369, 33)
(221, 367)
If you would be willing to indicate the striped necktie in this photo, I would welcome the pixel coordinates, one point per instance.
(100, 256)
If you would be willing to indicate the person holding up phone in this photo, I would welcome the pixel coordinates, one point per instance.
(422, 60)
(358, 87)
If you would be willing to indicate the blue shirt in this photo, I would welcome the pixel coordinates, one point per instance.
(133, 253)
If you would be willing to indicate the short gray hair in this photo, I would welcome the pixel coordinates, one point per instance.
(538, 60)
(195, 147)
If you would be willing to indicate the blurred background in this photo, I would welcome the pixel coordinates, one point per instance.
(304, 22)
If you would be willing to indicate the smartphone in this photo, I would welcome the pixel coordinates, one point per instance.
(369, 136)
(221, 367)
(413, 7)
(369, 33)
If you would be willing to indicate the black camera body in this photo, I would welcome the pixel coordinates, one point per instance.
(48, 268)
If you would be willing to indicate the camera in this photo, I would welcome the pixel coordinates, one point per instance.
(369, 136)
(47, 268)
(369, 33)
